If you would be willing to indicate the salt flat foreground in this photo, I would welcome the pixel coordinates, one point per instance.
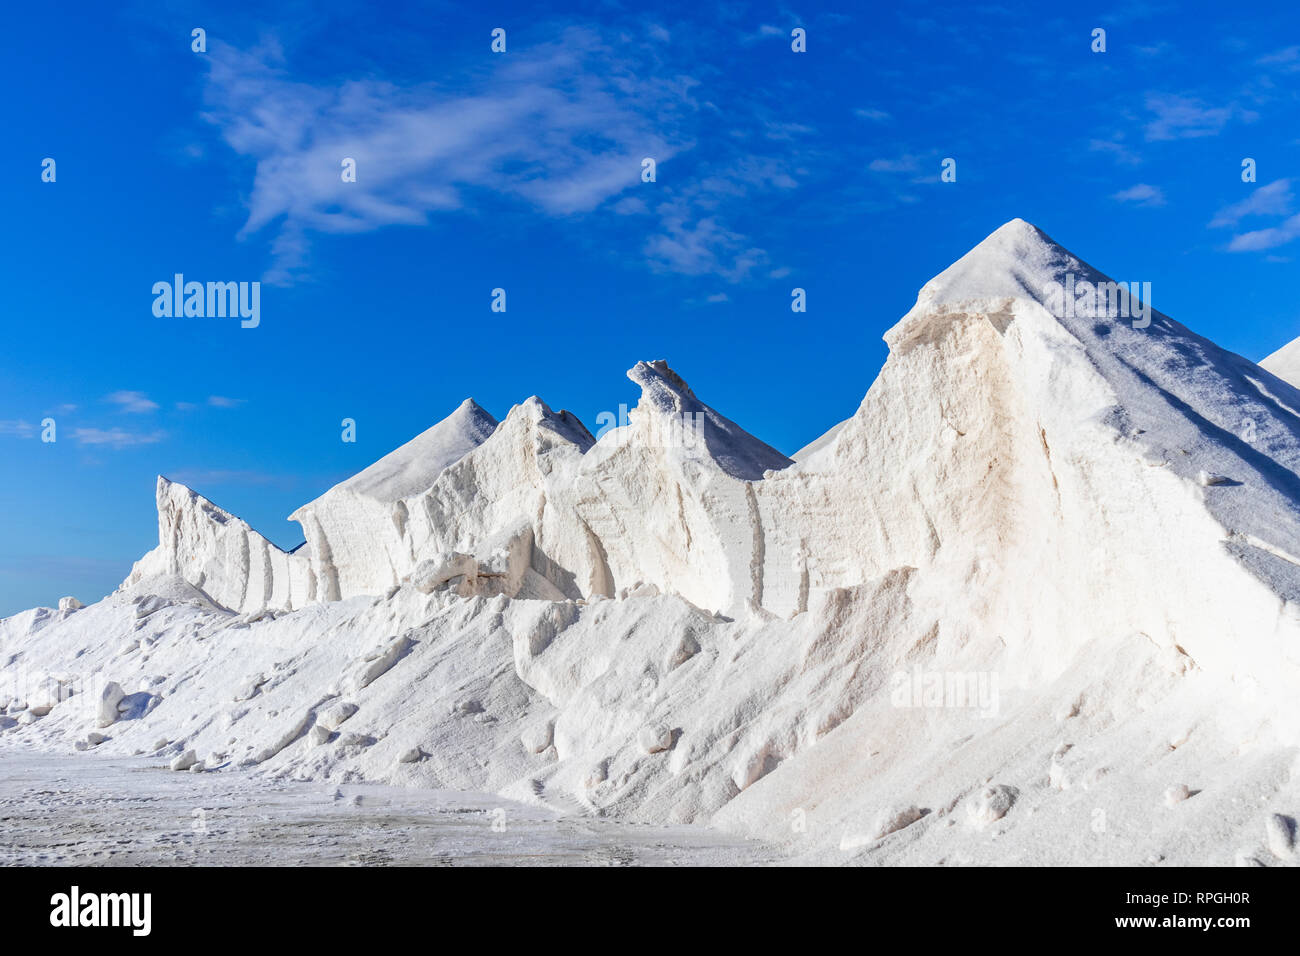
(87, 811)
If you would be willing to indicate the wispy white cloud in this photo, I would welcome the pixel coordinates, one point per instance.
(221, 401)
(695, 245)
(16, 428)
(902, 164)
(784, 132)
(1271, 200)
(116, 437)
(1135, 11)
(1269, 238)
(133, 402)
(765, 31)
(1154, 49)
(1116, 148)
(1274, 199)
(874, 115)
(1288, 59)
(562, 128)
(1143, 194)
(1185, 117)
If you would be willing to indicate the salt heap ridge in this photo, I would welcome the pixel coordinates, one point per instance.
(675, 622)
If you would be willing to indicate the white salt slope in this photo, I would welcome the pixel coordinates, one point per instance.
(1040, 462)
(819, 442)
(372, 500)
(666, 501)
(222, 556)
(1285, 363)
(414, 466)
(1016, 510)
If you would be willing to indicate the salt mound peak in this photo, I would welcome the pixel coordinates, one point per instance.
(667, 397)
(414, 466)
(563, 423)
(661, 387)
(183, 504)
(220, 555)
(1016, 261)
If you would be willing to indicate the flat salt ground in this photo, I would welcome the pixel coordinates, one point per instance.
(91, 810)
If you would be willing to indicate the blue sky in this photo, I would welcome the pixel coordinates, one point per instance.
(522, 171)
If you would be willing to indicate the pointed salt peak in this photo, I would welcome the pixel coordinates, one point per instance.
(662, 389)
(471, 408)
(534, 408)
(537, 413)
(164, 483)
(734, 450)
(658, 371)
(530, 411)
(414, 466)
(166, 488)
(1013, 239)
(1016, 230)
(1016, 261)
(469, 414)
(168, 492)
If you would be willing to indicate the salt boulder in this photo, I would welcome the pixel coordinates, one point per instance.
(185, 761)
(335, 715)
(654, 739)
(990, 804)
(109, 697)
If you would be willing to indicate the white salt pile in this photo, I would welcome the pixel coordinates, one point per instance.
(1000, 615)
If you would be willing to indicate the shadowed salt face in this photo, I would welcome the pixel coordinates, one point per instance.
(1080, 298)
